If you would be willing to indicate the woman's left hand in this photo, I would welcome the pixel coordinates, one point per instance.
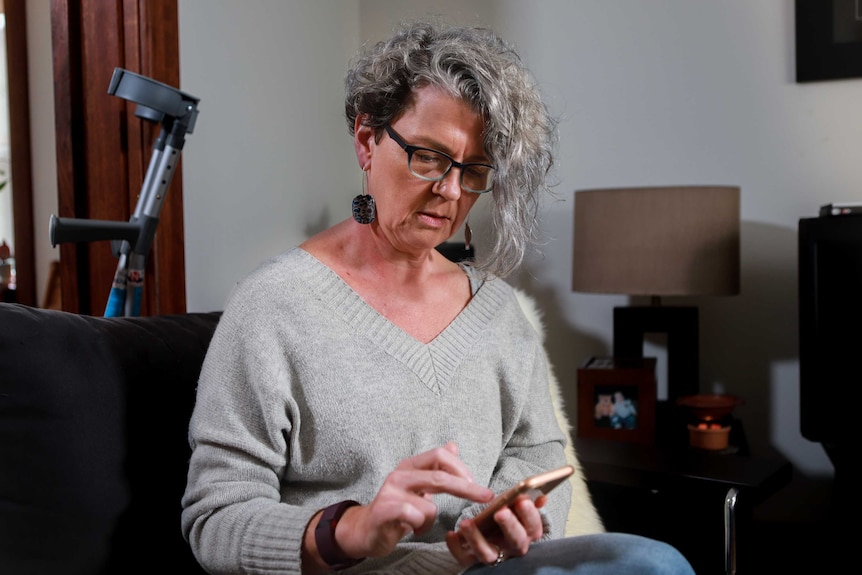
(520, 525)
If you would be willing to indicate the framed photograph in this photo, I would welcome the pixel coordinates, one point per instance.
(828, 40)
(617, 399)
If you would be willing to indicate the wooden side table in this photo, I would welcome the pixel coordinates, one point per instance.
(731, 485)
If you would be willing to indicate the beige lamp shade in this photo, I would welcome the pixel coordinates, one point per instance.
(657, 241)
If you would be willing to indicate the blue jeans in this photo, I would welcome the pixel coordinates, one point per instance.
(600, 554)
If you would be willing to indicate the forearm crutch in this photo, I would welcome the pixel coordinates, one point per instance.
(131, 241)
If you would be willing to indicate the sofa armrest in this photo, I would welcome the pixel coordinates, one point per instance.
(94, 415)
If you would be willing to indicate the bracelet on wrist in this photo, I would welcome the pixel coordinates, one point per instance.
(324, 537)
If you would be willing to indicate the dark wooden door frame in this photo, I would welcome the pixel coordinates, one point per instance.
(103, 149)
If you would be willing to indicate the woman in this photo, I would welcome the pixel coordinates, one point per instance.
(364, 397)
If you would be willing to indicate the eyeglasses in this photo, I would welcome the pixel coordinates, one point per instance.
(433, 166)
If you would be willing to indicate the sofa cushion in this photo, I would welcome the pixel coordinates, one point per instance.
(94, 415)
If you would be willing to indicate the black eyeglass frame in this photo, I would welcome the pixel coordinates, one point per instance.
(453, 163)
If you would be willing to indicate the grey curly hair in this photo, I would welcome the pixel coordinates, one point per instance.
(477, 66)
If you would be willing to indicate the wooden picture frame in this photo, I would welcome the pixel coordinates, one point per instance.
(617, 399)
(828, 40)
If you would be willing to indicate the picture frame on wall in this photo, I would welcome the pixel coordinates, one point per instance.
(828, 40)
(617, 399)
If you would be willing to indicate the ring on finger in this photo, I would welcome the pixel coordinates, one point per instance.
(500, 557)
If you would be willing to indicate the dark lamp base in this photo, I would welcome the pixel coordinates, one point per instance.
(681, 326)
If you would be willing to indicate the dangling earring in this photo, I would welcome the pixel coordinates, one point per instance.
(364, 211)
(468, 235)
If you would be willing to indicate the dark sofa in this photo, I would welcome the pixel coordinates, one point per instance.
(94, 415)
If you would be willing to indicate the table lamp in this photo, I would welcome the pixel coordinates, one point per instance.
(658, 242)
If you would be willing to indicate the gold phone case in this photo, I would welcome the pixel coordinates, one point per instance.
(533, 487)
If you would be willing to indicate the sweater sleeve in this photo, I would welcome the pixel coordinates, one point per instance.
(532, 440)
(233, 517)
(538, 443)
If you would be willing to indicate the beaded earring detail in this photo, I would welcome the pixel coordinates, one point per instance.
(364, 211)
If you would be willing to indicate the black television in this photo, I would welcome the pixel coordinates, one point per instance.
(830, 329)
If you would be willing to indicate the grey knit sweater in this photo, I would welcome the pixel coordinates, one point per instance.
(308, 396)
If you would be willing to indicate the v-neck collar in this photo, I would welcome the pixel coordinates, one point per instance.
(436, 362)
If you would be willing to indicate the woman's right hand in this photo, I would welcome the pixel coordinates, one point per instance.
(404, 504)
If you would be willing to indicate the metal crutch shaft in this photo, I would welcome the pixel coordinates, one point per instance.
(730, 531)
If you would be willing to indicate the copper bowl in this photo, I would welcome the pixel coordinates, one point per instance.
(709, 407)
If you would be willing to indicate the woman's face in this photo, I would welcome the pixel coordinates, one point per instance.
(413, 214)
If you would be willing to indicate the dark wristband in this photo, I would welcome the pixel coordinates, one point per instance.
(324, 537)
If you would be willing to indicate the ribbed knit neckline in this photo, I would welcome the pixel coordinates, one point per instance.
(433, 363)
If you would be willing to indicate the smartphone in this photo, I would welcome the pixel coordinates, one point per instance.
(532, 487)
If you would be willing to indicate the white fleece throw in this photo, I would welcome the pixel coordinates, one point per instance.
(583, 518)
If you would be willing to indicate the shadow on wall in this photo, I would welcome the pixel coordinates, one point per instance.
(742, 339)
(318, 224)
(567, 347)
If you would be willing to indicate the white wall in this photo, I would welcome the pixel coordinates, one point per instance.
(649, 92)
(42, 139)
(270, 156)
